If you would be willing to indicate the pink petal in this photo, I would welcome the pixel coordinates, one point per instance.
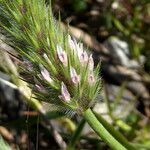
(74, 77)
(91, 79)
(64, 93)
(91, 63)
(77, 47)
(45, 74)
(40, 88)
(83, 57)
(72, 44)
(62, 55)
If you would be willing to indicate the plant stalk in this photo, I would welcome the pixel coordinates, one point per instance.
(101, 131)
(76, 135)
(116, 134)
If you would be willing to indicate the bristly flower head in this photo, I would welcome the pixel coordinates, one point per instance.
(60, 64)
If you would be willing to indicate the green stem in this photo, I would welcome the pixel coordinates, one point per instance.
(106, 99)
(76, 135)
(101, 131)
(116, 134)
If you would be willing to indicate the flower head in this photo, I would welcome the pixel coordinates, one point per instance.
(75, 70)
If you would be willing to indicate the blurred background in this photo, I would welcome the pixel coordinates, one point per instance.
(117, 32)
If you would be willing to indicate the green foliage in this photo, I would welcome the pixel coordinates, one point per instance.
(78, 5)
(4, 145)
(131, 21)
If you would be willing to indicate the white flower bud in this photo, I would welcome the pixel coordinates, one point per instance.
(64, 93)
(62, 55)
(72, 44)
(45, 74)
(74, 77)
(91, 63)
(40, 88)
(83, 58)
(91, 79)
(77, 47)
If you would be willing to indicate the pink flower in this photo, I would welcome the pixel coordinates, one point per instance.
(74, 77)
(91, 79)
(77, 47)
(40, 88)
(72, 43)
(62, 55)
(83, 57)
(91, 63)
(64, 93)
(45, 74)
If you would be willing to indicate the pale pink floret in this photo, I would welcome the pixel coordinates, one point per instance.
(62, 55)
(64, 93)
(40, 88)
(82, 55)
(83, 58)
(45, 74)
(72, 43)
(91, 79)
(91, 63)
(78, 49)
(74, 77)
